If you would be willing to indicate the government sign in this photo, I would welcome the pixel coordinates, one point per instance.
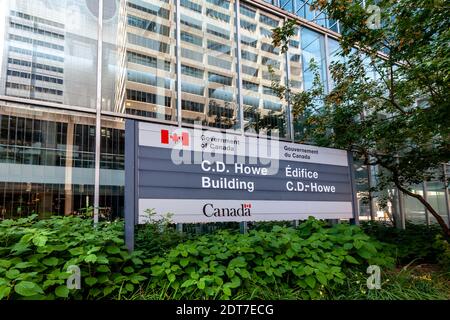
(207, 176)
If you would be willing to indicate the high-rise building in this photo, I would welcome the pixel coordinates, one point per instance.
(66, 71)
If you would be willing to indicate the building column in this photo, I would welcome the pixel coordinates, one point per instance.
(446, 195)
(68, 183)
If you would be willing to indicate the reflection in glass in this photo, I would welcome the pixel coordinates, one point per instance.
(49, 52)
(208, 63)
(149, 60)
(264, 113)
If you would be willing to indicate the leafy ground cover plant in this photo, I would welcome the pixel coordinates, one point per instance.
(35, 256)
(310, 260)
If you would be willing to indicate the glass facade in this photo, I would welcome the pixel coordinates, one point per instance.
(208, 63)
(261, 64)
(60, 68)
(303, 9)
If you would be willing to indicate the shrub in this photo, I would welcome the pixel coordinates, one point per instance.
(443, 247)
(415, 242)
(35, 256)
(310, 260)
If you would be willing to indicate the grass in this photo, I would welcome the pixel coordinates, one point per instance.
(420, 282)
(409, 283)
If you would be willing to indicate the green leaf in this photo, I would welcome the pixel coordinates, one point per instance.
(244, 273)
(23, 265)
(76, 251)
(157, 270)
(5, 263)
(171, 277)
(188, 283)
(40, 240)
(310, 281)
(235, 282)
(128, 269)
(226, 291)
(129, 287)
(27, 288)
(322, 279)
(50, 261)
(90, 281)
(103, 268)
(347, 246)
(364, 253)
(290, 253)
(4, 291)
(90, 258)
(136, 278)
(201, 284)
(12, 273)
(112, 250)
(62, 291)
(184, 262)
(107, 291)
(351, 260)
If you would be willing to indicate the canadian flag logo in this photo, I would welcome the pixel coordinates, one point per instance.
(247, 205)
(176, 138)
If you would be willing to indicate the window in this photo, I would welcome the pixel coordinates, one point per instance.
(269, 91)
(220, 94)
(249, 41)
(148, 61)
(217, 15)
(36, 19)
(147, 97)
(13, 85)
(217, 78)
(189, 54)
(247, 55)
(250, 71)
(191, 5)
(271, 62)
(35, 65)
(191, 71)
(37, 30)
(219, 32)
(250, 85)
(191, 22)
(188, 37)
(272, 105)
(220, 3)
(33, 76)
(270, 48)
(246, 11)
(265, 32)
(216, 46)
(251, 101)
(192, 106)
(192, 88)
(148, 25)
(248, 26)
(148, 78)
(36, 53)
(268, 21)
(148, 43)
(150, 8)
(36, 42)
(221, 63)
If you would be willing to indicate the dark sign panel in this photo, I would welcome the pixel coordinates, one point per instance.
(207, 176)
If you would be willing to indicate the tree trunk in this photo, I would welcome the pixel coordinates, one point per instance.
(427, 205)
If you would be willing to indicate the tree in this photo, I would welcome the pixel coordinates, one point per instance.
(390, 98)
